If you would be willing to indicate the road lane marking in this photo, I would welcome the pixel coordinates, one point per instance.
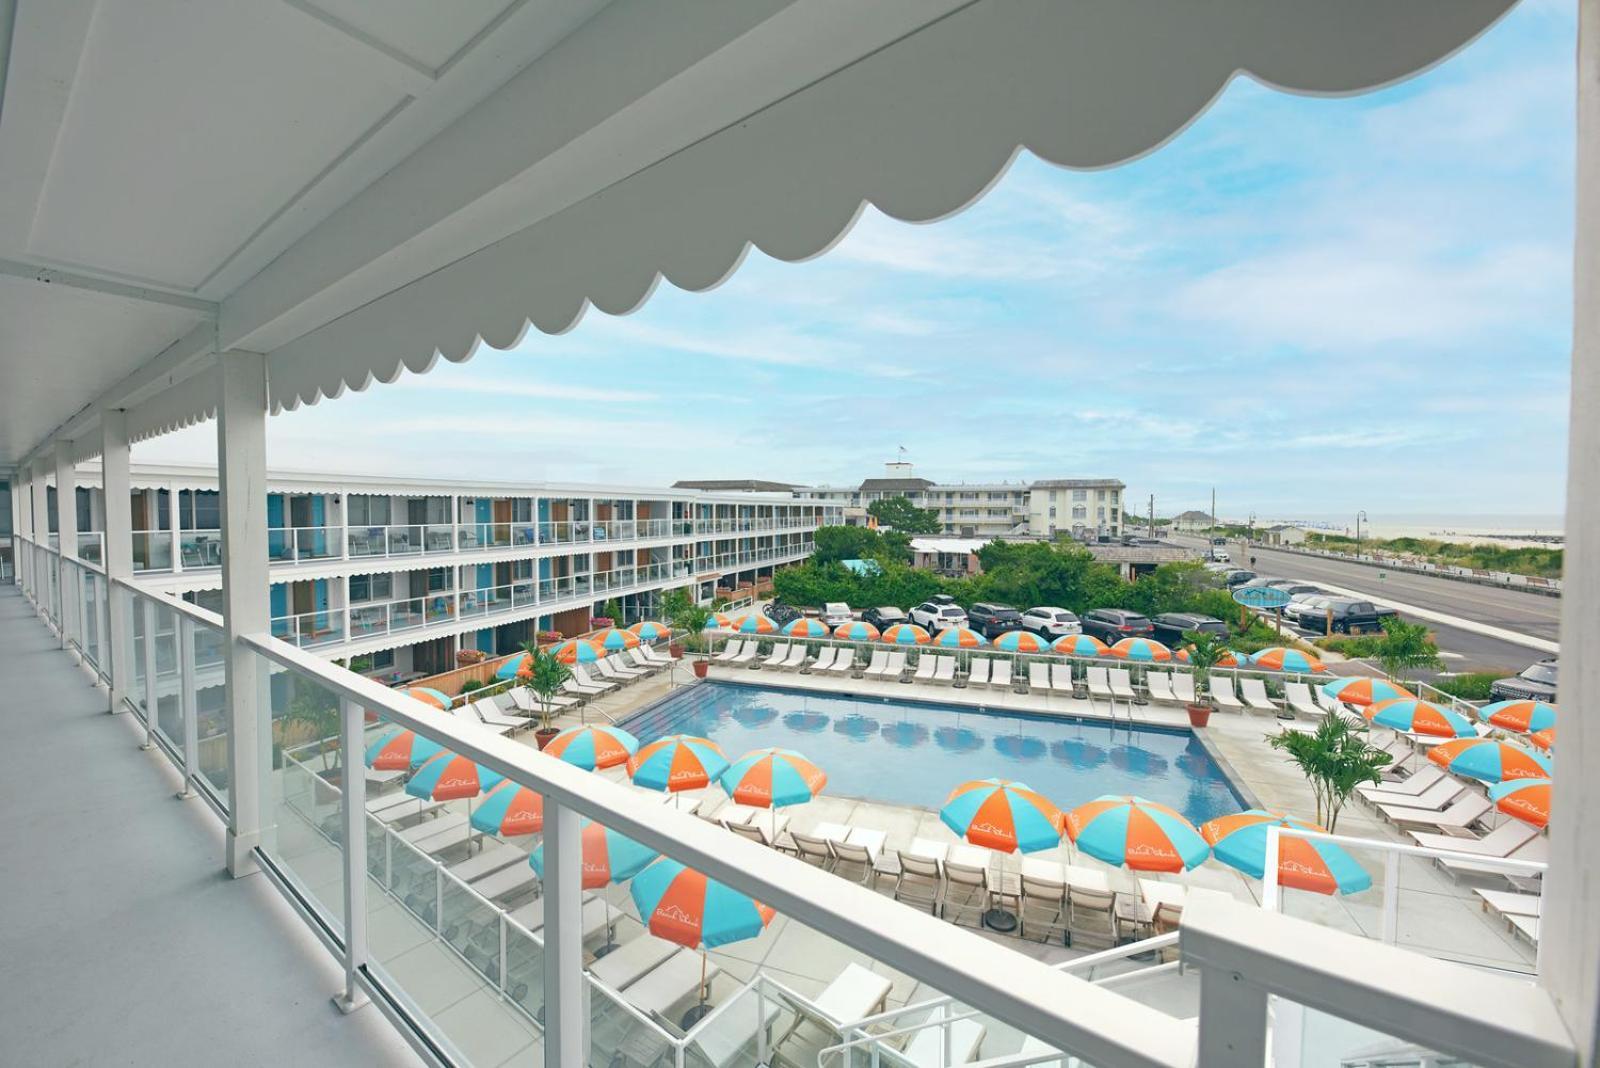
(1529, 641)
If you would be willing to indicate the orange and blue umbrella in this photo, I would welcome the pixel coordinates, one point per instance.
(905, 634)
(451, 777)
(1080, 645)
(1021, 641)
(772, 778)
(401, 750)
(684, 906)
(1361, 690)
(1229, 658)
(1411, 715)
(1004, 815)
(1240, 841)
(1282, 658)
(648, 630)
(577, 651)
(1489, 760)
(754, 623)
(1526, 799)
(1526, 717)
(1140, 650)
(1129, 831)
(959, 638)
(608, 856)
(510, 810)
(1543, 739)
(806, 627)
(718, 621)
(429, 696)
(857, 630)
(593, 747)
(514, 666)
(677, 762)
(612, 639)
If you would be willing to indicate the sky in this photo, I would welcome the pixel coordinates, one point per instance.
(1313, 305)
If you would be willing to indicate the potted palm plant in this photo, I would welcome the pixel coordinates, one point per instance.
(543, 677)
(690, 621)
(1204, 652)
(1335, 758)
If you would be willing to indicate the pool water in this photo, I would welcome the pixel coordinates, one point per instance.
(913, 753)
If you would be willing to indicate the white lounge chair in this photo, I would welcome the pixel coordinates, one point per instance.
(925, 665)
(824, 659)
(595, 916)
(507, 882)
(490, 713)
(636, 656)
(632, 961)
(897, 665)
(854, 993)
(978, 671)
(677, 979)
(1461, 814)
(488, 862)
(1435, 797)
(878, 665)
(608, 669)
(654, 655)
(1298, 695)
(1330, 704)
(1061, 678)
(584, 679)
(860, 848)
(524, 703)
(748, 653)
(1398, 793)
(578, 689)
(1038, 676)
(466, 715)
(944, 670)
(1222, 692)
(1500, 842)
(618, 662)
(1000, 676)
(780, 653)
(1183, 687)
(844, 661)
(1159, 683)
(926, 1049)
(729, 651)
(796, 657)
(1254, 692)
(1121, 684)
(1536, 849)
(1099, 683)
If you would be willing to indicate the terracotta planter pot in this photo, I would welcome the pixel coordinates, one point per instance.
(701, 667)
(675, 649)
(1199, 715)
(543, 735)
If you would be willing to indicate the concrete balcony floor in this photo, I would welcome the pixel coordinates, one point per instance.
(122, 939)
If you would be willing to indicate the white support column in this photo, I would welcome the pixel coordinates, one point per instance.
(41, 538)
(352, 817)
(1570, 942)
(118, 552)
(565, 1015)
(1233, 1021)
(67, 526)
(22, 523)
(174, 523)
(242, 478)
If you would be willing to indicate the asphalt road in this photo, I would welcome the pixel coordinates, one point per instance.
(1463, 650)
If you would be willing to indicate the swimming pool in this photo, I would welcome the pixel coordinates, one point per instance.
(914, 753)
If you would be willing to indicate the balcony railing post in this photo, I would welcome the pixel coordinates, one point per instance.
(188, 706)
(1233, 1020)
(352, 818)
(1391, 897)
(152, 700)
(564, 1015)
(67, 525)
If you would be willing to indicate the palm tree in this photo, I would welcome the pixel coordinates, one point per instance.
(1335, 759)
(1204, 652)
(1404, 647)
(544, 676)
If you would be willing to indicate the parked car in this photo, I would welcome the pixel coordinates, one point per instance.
(836, 613)
(885, 616)
(1294, 587)
(1219, 556)
(1238, 577)
(781, 614)
(1306, 610)
(1536, 683)
(1349, 616)
(1051, 623)
(1112, 625)
(993, 620)
(1172, 626)
(933, 617)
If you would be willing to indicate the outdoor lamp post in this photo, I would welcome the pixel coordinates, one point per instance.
(1359, 517)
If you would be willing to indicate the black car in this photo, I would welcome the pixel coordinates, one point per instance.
(941, 598)
(1238, 577)
(1350, 616)
(885, 616)
(1536, 683)
(1111, 625)
(781, 614)
(993, 620)
(1171, 627)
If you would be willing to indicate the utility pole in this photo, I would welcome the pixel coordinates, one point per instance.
(1213, 511)
(1152, 515)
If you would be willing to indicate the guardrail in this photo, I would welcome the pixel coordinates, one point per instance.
(1527, 583)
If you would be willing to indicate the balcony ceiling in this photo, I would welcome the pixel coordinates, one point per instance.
(353, 188)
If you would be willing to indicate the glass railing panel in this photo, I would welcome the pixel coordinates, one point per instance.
(407, 615)
(439, 607)
(200, 548)
(366, 541)
(404, 540)
(89, 547)
(1307, 1036)
(304, 785)
(368, 619)
(438, 537)
(317, 543)
(310, 628)
(169, 680)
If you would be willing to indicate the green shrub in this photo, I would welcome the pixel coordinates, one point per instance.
(471, 684)
(1473, 686)
(1355, 646)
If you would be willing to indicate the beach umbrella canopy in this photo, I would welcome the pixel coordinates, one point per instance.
(1543, 739)
(806, 627)
(578, 651)
(1080, 645)
(648, 630)
(906, 634)
(1140, 650)
(450, 777)
(1129, 831)
(593, 747)
(429, 696)
(1360, 690)
(677, 762)
(1240, 841)
(612, 639)
(1229, 658)
(773, 778)
(1526, 799)
(1526, 717)
(719, 621)
(959, 638)
(754, 623)
(1489, 760)
(684, 906)
(1021, 641)
(1282, 658)
(513, 667)
(608, 856)
(1004, 815)
(509, 810)
(400, 750)
(1413, 716)
(857, 630)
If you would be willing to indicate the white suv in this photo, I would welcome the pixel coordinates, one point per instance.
(1051, 623)
(836, 613)
(936, 617)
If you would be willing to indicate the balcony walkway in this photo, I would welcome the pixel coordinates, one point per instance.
(122, 939)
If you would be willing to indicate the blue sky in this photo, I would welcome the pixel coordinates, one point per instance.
(1314, 305)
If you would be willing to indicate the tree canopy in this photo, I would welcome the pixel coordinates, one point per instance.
(905, 517)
